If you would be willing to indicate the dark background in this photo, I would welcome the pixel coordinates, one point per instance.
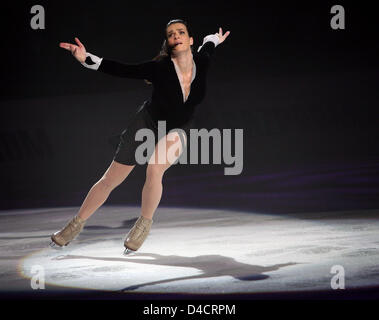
(306, 96)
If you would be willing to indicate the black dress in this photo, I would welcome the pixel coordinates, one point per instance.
(166, 102)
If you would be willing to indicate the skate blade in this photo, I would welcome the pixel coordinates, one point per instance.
(128, 252)
(54, 246)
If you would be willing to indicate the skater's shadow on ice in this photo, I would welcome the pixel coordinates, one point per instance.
(126, 224)
(209, 265)
(25, 237)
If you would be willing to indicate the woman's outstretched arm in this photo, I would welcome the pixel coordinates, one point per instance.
(210, 42)
(144, 70)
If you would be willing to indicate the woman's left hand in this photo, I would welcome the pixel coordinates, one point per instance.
(222, 37)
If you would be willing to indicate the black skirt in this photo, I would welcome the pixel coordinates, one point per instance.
(127, 145)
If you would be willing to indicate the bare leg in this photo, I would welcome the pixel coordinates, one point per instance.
(151, 193)
(115, 174)
(153, 188)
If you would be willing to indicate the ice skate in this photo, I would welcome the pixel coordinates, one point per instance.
(137, 235)
(68, 233)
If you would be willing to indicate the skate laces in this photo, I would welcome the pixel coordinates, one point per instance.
(73, 226)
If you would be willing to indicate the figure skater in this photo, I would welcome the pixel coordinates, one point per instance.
(178, 76)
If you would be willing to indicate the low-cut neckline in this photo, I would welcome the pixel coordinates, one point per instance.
(178, 74)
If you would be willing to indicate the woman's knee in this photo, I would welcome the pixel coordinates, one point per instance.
(155, 172)
(107, 184)
(115, 175)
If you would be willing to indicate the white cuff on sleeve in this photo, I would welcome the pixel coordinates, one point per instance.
(211, 37)
(92, 62)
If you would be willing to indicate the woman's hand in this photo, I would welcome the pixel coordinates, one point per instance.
(78, 51)
(222, 37)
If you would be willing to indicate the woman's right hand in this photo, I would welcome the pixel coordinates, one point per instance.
(78, 51)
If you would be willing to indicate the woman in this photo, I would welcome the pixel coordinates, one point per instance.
(178, 77)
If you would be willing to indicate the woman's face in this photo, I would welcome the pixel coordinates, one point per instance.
(178, 38)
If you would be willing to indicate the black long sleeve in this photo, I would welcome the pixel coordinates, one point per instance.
(143, 70)
(207, 49)
(166, 101)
